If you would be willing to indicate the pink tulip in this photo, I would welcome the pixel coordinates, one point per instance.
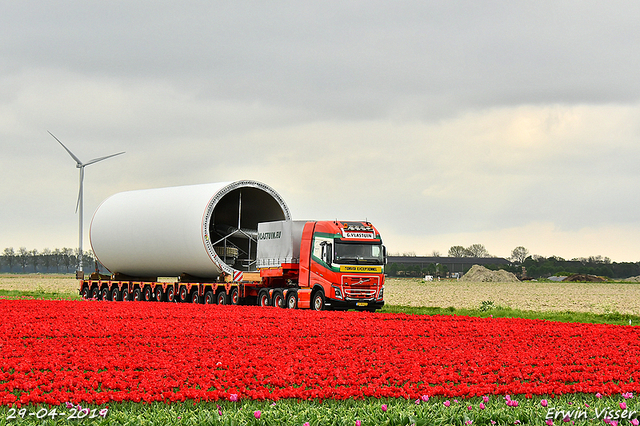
(599, 395)
(549, 422)
(357, 422)
(485, 398)
(635, 422)
(544, 403)
(482, 406)
(384, 407)
(424, 398)
(257, 414)
(623, 405)
(447, 403)
(233, 397)
(469, 408)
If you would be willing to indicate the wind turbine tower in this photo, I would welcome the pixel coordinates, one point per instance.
(79, 204)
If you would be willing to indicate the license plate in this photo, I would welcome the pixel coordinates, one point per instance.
(362, 304)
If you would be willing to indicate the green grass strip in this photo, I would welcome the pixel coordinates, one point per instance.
(502, 312)
(579, 408)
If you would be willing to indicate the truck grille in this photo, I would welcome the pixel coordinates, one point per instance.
(360, 287)
(359, 293)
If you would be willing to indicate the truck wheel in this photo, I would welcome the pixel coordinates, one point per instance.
(158, 295)
(125, 294)
(292, 300)
(147, 294)
(171, 294)
(223, 298)
(137, 294)
(278, 299)
(234, 299)
(95, 293)
(194, 298)
(209, 298)
(263, 298)
(115, 294)
(317, 304)
(104, 294)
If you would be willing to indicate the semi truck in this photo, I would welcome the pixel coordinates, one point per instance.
(231, 243)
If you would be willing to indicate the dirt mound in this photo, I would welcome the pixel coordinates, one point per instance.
(632, 279)
(481, 274)
(584, 278)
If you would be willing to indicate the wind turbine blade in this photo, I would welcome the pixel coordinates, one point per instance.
(67, 149)
(95, 160)
(81, 187)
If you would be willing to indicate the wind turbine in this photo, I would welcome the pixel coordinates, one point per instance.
(79, 204)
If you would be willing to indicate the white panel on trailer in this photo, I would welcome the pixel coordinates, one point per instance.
(173, 231)
(279, 242)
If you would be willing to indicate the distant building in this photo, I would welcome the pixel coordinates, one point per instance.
(453, 264)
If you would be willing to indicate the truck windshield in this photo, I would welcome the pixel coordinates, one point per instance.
(358, 253)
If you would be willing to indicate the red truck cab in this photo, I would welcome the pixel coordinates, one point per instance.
(342, 264)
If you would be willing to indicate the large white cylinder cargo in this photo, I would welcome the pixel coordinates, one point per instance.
(198, 230)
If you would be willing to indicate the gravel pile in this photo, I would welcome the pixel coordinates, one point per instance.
(481, 274)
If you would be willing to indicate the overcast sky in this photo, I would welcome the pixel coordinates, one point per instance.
(444, 123)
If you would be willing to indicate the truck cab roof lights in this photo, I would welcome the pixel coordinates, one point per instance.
(357, 226)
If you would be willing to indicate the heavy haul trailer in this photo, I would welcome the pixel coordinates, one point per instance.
(231, 243)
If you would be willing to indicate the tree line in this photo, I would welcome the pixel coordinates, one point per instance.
(47, 261)
(524, 265)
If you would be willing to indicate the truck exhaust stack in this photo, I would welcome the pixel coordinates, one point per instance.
(198, 230)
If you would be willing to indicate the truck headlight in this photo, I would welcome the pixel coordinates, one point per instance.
(381, 293)
(337, 292)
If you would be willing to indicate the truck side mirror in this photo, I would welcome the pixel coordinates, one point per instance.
(384, 254)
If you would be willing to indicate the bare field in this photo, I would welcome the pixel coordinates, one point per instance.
(50, 283)
(597, 298)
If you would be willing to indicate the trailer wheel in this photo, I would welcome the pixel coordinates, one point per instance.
(263, 298)
(292, 300)
(234, 299)
(222, 298)
(137, 294)
(183, 294)
(158, 295)
(95, 293)
(115, 294)
(317, 304)
(86, 292)
(104, 294)
(125, 294)
(209, 298)
(147, 294)
(194, 298)
(278, 299)
(171, 294)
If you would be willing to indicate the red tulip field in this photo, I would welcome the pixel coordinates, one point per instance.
(53, 351)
